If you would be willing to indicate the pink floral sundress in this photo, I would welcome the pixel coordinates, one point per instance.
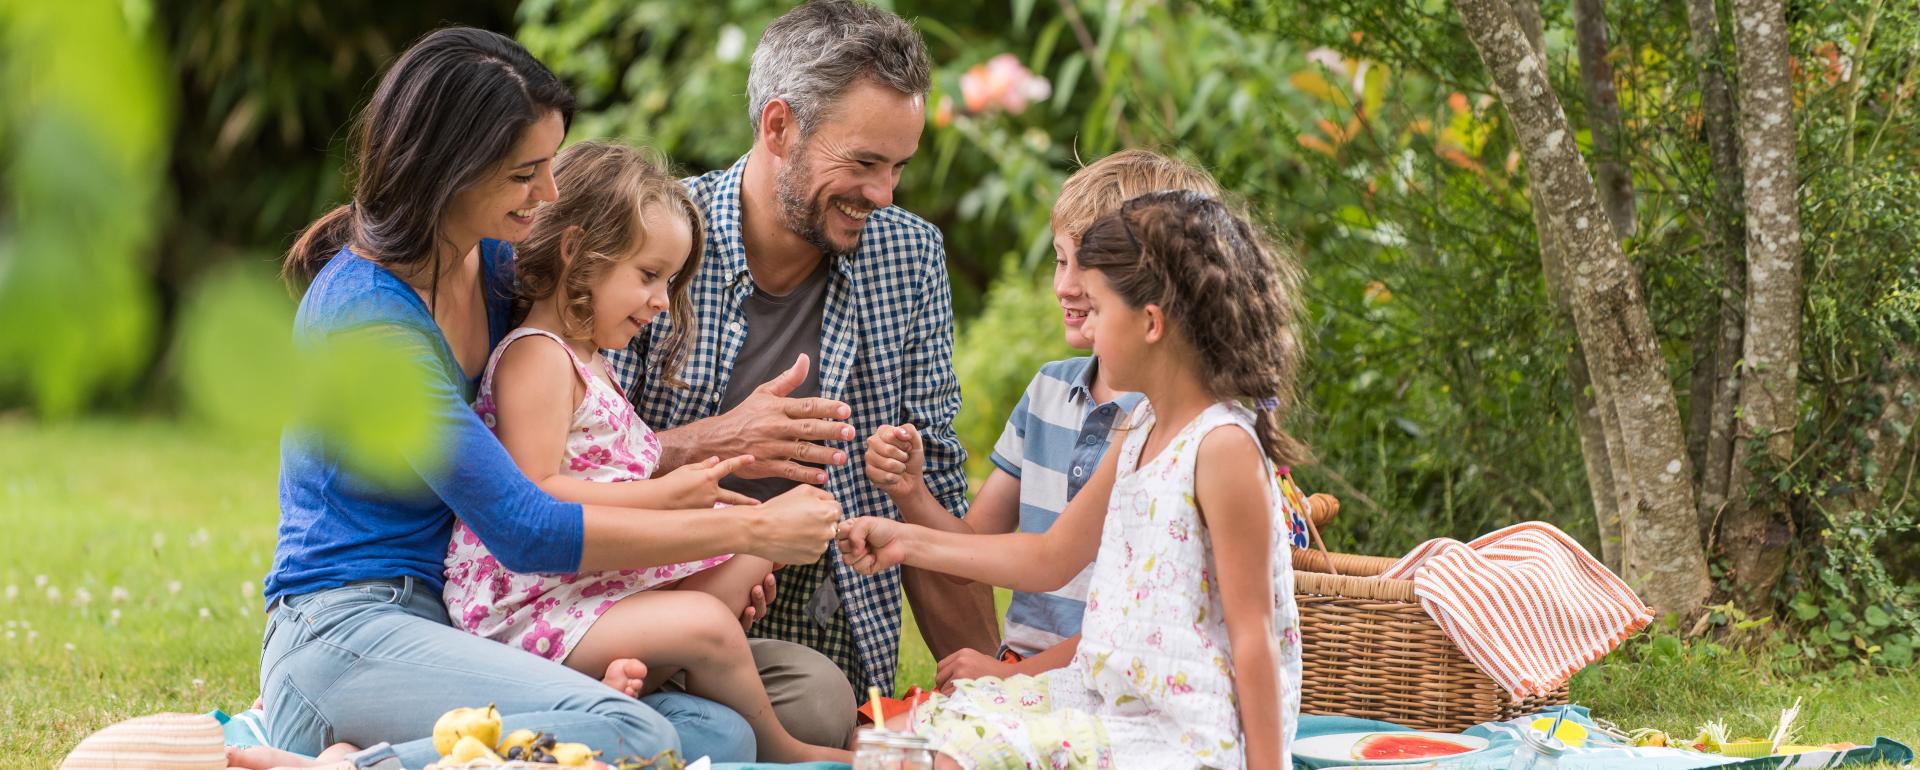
(547, 614)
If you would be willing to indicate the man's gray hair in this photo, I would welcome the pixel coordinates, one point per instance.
(814, 53)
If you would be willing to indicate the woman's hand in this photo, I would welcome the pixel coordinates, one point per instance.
(697, 485)
(896, 460)
(795, 527)
(869, 544)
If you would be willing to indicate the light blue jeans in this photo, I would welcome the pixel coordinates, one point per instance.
(379, 661)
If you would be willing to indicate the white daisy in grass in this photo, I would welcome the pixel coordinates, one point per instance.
(68, 646)
(11, 635)
(13, 592)
(159, 540)
(82, 597)
(173, 586)
(199, 538)
(205, 614)
(113, 618)
(53, 594)
(246, 589)
(39, 581)
(119, 594)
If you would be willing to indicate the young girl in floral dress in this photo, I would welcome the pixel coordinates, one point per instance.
(612, 253)
(1190, 654)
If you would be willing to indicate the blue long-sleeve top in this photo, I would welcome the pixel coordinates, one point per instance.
(338, 526)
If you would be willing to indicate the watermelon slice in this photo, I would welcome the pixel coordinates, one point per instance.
(1403, 746)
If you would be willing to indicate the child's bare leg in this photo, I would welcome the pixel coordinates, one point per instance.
(265, 757)
(730, 582)
(693, 631)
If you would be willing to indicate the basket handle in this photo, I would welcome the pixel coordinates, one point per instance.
(1321, 508)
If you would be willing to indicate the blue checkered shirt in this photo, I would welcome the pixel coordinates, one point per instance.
(886, 349)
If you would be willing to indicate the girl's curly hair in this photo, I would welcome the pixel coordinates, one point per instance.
(1230, 294)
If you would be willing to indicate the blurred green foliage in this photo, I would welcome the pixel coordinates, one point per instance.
(83, 127)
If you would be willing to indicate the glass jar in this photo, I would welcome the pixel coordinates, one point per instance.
(1536, 752)
(886, 750)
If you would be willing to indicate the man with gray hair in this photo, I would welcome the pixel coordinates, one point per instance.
(807, 260)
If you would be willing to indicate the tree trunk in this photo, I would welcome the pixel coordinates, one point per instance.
(1722, 241)
(1756, 533)
(1603, 115)
(1591, 411)
(1663, 558)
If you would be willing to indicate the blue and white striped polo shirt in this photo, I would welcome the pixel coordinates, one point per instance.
(1052, 444)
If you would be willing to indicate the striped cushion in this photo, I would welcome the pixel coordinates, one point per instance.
(159, 742)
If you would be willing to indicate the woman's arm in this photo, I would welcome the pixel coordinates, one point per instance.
(1021, 561)
(1239, 521)
(530, 531)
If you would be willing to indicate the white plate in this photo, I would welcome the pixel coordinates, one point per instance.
(1339, 748)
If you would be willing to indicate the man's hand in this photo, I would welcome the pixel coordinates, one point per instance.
(757, 601)
(896, 460)
(698, 485)
(869, 544)
(780, 432)
(969, 664)
(796, 527)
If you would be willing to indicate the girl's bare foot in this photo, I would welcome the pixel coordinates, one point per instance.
(626, 675)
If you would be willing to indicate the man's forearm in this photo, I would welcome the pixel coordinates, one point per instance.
(689, 443)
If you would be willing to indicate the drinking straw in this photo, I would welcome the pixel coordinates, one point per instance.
(1553, 733)
(873, 699)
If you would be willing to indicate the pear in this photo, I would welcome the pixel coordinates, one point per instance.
(481, 723)
(572, 754)
(468, 749)
(522, 738)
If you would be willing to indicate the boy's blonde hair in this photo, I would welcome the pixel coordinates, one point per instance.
(1099, 188)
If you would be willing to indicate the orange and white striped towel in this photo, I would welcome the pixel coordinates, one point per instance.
(1527, 604)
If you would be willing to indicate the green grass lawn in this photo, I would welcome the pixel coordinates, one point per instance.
(131, 555)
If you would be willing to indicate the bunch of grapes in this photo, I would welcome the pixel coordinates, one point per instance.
(537, 751)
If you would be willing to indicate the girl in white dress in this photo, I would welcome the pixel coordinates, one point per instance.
(1190, 654)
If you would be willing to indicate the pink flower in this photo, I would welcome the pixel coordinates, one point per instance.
(595, 456)
(602, 587)
(545, 641)
(1002, 82)
(476, 612)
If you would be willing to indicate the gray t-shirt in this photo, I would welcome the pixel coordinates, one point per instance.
(779, 328)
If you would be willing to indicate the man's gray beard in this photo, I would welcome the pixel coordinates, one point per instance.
(799, 214)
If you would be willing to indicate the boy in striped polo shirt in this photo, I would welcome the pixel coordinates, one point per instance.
(1055, 438)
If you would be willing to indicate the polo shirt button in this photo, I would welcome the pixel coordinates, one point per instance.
(1078, 472)
(733, 326)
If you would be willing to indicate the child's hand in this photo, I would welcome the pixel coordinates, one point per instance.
(869, 544)
(698, 485)
(968, 664)
(896, 460)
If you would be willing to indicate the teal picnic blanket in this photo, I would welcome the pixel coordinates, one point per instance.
(1602, 752)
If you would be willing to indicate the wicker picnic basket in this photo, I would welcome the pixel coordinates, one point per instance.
(1371, 651)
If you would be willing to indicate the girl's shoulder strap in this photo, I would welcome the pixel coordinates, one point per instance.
(579, 367)
(1223, 414)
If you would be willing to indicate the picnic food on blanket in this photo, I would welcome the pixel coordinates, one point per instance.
(1647, 736)
(469, 748)
(481, 723)
(1405, 746)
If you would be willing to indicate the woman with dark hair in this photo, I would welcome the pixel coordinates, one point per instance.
(451, 160)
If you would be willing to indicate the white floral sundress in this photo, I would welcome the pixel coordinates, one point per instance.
(1152, 683)
(547, 614)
